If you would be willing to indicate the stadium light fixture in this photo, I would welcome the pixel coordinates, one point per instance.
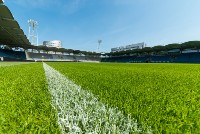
(33, 31)
(98, 47)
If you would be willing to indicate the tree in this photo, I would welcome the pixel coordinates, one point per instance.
(147, 50)
(158, 49)
(76, 51)
(173, 46)
(191, 45)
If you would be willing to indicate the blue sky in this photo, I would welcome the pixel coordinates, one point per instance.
(79, 24)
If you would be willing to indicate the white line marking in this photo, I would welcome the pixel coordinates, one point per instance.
(79, 111)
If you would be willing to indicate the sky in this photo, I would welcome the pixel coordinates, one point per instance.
(79, 24)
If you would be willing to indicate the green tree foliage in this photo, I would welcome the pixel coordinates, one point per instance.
(173, 46)
(191, 44)
(147, 50)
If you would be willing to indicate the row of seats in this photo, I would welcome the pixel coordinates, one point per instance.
(58, 57)
(188, 57)
(118, 59)
(12, 54)
(178, 58)
(20, 55)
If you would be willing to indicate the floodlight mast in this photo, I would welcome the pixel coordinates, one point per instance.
(33, 32)
(98, 47)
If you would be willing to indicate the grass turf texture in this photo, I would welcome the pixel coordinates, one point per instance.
(163, 96)
(81, 112)
(25, 103)
(13, 63)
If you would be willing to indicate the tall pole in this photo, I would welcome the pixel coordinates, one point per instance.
(33, 32)
(98, 47)
(29, 31)
(37, 36)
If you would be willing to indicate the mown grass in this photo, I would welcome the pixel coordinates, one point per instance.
(25, 103)
(163, 96)
(13, 63)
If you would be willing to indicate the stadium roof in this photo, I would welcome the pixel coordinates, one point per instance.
(10, 32)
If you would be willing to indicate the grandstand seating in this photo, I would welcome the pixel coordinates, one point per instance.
(164, 58)
(92, 59)
(188, 58)
(62, 57)
(119, 59)
(54, 56)
(178, 58)
(38, 56)
(59, 57)
(138, 59)
(12, 54)
(69, 57)
(141, 59)
(80, 58)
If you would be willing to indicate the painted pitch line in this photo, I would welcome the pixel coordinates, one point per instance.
(79, 111)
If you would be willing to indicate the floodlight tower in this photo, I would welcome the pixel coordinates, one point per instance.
(33, 32)
(99, 43)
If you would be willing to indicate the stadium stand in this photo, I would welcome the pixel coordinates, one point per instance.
(80, 58)
(57, 56)
(188, 58)
(157, 59)
(141, 59)
(178, 58)
(38, 56)
(11, 35)
(119, 59)
(69, 57)
(12, 54)
(92, 59)
(49, 57)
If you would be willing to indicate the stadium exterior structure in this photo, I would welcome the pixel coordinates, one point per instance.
(53, 43)
(129, 47)
(187, 52)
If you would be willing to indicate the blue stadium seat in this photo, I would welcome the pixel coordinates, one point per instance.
(12, 54)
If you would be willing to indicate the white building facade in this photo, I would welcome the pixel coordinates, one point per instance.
(53, 43)
(129, 47)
